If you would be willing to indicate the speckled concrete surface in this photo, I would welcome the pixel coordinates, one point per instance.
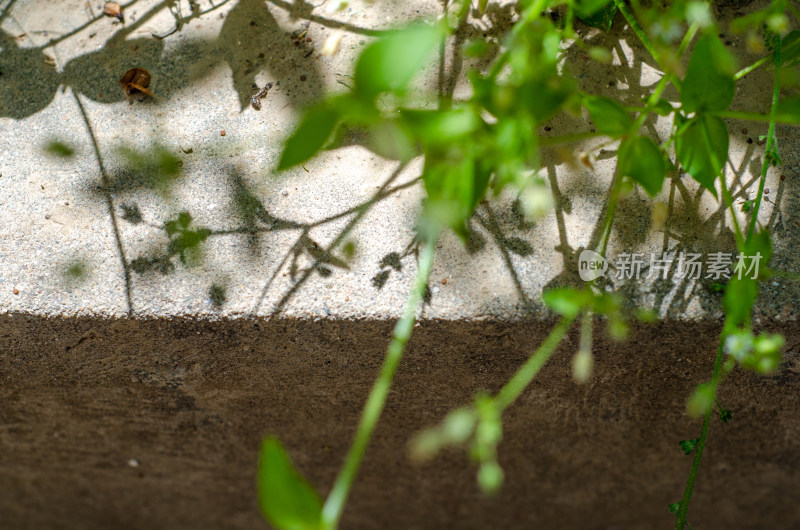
(55, 213)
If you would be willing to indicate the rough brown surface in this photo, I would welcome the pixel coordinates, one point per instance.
(191, 400)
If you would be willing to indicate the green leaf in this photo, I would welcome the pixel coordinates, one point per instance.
(688, 446)
(701, 400)
(566, 301)
(788, 110)
(391, 140)
(455, 180)
(310, 136)
(442, 126)
(490, 477)
(586, 8)
(740, 295)
(287, 501)
(702, 148)
(603, 18)
(790, 49)
(390, 63)
(641, 159)
(708, 85)
(608, 116)
(544, 95)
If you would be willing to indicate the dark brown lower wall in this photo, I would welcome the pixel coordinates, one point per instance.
(189, 401)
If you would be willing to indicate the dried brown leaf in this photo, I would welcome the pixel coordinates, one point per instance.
(135, 81)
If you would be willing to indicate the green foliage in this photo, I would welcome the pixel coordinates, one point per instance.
(609, 116)
(701, 401)
(389, 64)
(790, 49)
(702, 148)
(641, 159)
(490, 140)
(311, 135)
(597, 13)
(286, 499)
(688, 446)
(708, 85)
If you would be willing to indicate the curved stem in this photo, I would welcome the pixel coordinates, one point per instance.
(334, 504)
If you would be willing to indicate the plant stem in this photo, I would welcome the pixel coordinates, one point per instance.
(648, 44)
(532, 13)
(514, 387)
(687, 39)
(776, 92)
(698, 455)
(611, 211)
(334, 504)
(753, 116)
(746, 70)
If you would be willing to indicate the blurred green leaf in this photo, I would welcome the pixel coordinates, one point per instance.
(455, 181)
(740, 294)
(641, 159)
(389, 64)
(287, 501)
(390, 139)
(708, 85)
(788, 110)
(566, 301)
(688, 446)
(543, 96)
(790, 49)
(701, 400)
(602, 18)
(587, 8)
(476, 48)
(311, 135)
(490, 477)
(702, 148)
(442, 126)
(608, 116)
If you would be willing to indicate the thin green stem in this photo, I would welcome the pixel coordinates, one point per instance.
(648, 44)
(776, 93)
(532, 13)
(687, 39)
(514, 387)
(611, 211)
(334, 504)
(698, 455)
(726, 196)
(754, 116)
(746, 70)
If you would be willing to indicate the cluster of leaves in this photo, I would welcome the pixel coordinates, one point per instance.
(490, 140)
